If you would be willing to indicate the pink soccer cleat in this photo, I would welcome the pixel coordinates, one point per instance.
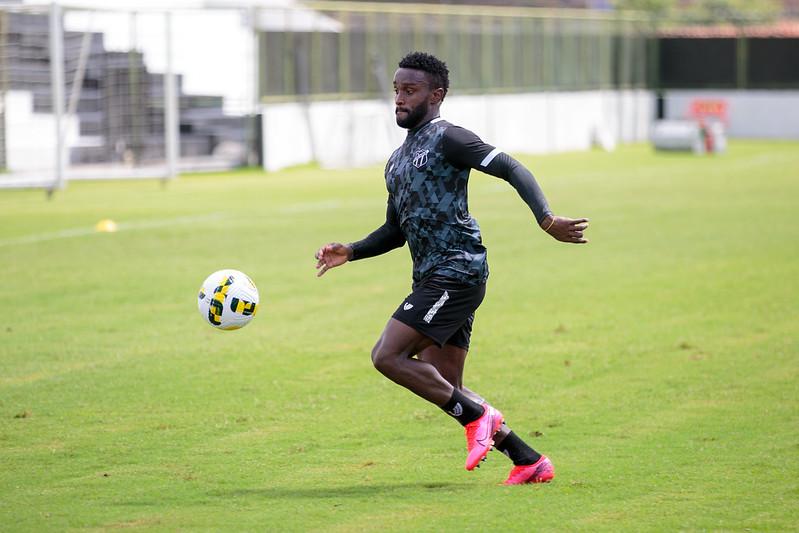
(480, 435)
(540, 472)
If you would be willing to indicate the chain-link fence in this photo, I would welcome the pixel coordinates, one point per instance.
(345, 50)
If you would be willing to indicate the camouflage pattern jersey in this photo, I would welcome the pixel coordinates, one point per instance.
(427, 181)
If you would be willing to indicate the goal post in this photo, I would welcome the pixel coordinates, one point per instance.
(57, 91)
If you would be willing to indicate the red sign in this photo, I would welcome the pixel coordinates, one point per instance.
(701, 109)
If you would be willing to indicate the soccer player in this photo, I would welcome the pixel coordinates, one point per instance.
(424, 345)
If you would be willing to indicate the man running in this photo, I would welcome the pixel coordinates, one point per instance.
(424, 345)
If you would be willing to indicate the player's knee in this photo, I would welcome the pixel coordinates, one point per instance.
(378, 358)
(382, 360)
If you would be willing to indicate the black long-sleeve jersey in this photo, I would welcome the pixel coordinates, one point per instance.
(427, 179)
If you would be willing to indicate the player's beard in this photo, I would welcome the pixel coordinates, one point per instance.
(414, 117)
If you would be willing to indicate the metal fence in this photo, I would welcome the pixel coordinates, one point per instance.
(728, 62)
(119, 93)
(347, 50)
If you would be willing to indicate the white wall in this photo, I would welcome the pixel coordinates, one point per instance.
(353, 134)
(335, 134)
(752, 114)
(31, 137)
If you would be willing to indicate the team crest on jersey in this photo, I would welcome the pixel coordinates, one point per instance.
(420, 158)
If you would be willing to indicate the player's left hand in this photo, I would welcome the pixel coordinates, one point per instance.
(566, 229)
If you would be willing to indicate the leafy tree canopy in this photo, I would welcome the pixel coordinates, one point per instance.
(739, 12)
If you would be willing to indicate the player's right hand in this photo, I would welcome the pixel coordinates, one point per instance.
(331, 255)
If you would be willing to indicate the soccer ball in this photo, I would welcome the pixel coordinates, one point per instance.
(228, 299)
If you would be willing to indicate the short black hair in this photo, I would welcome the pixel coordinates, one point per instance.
(437, 72)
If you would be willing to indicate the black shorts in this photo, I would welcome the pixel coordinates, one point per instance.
(442, 309)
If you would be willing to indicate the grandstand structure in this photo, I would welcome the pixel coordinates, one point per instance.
(71, 108)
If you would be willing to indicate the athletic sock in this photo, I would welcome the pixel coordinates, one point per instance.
(462, 408)
(518, 450)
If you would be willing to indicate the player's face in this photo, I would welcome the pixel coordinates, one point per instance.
(412, 97)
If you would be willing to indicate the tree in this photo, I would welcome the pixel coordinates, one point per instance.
(738, 12)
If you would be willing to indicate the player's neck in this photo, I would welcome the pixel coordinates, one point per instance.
(422, 124)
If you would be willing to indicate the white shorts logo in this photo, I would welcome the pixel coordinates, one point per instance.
(433, 310)
(407, 306)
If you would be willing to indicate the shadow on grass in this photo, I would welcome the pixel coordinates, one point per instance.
(351, 491)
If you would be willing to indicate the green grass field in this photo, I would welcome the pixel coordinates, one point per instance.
(657, 366)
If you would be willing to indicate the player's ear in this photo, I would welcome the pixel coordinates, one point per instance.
(436, 96)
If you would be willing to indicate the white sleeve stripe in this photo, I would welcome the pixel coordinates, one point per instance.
(490, 157)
